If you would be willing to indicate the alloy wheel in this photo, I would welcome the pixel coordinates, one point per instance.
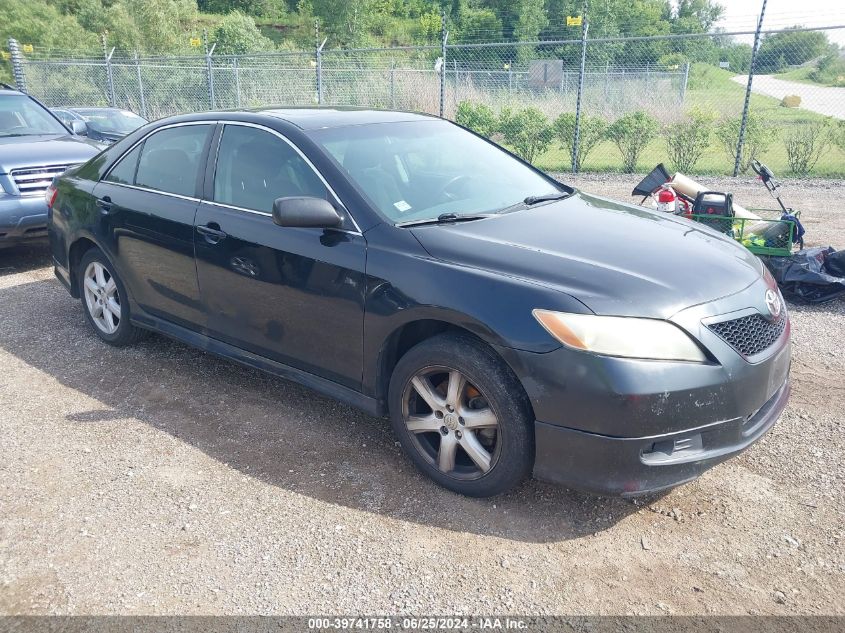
(451, 423)
(101, 297)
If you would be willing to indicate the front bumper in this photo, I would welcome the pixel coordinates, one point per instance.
(626, 426)
(635, 466)
(22, 218)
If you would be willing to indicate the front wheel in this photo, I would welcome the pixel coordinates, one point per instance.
(462, 416)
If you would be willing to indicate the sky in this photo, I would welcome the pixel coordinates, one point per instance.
(741, 15)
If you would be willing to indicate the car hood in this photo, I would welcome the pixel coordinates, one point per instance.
(615, 258)
(17, 152)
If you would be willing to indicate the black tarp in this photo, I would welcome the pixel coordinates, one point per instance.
(812, 275)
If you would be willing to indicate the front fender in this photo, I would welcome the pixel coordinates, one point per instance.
(494, 307)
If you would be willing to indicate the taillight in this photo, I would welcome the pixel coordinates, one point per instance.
(50, 195)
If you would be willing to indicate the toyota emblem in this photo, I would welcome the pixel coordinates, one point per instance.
(773, 303)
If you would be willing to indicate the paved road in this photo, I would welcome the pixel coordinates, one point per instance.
(822, 99)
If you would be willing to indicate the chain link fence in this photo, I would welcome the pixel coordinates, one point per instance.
(585, 104)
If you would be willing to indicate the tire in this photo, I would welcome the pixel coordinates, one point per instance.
(478, 403)
(107, 307)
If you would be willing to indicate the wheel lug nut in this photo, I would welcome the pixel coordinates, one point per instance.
(461, 421)
(444, 430)
(458, 434)
(438, 414)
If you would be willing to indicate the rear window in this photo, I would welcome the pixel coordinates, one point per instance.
(171, 159)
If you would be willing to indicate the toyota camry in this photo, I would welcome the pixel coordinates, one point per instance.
(504, 322)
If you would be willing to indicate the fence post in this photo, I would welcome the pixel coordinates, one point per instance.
(209, 69)
(320, 72)
(17, 64)
(109, 73)
(577, 135)
(140, 86)
(685, 82)
(237, 74)
(444, 35)
(393, 84)
(510, 76)
(741, 141)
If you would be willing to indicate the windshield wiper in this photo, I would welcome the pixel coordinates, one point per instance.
(532, 200)
(548, 197)
(446, 218)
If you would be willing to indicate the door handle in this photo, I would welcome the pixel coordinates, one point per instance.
(212, 233)
(105, 205)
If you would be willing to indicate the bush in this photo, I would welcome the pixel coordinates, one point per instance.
(805, 144)
(631, 134)
(477, 117)
(687, 140)
(593, 131)
(791, 101)
(527, 132)
(758, 136)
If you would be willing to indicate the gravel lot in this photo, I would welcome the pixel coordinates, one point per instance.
(160, 480)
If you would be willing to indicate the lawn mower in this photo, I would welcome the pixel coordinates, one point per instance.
(683, 196)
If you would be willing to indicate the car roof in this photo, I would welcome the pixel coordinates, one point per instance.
(319, 118)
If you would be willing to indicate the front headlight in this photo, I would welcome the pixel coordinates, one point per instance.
(621, 336)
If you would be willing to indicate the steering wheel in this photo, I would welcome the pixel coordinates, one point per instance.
(463, 178)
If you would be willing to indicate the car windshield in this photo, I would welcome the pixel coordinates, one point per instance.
(21, 116)
(420, 170)
(112, 121)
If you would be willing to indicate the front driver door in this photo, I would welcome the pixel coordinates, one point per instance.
(295, 295)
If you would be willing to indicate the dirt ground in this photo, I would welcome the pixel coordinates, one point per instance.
(161, 480)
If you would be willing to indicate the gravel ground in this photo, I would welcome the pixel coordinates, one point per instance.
(160, 480)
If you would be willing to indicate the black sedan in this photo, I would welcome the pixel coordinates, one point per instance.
(505, 322)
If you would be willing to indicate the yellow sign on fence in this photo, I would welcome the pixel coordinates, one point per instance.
(6, 54)
(573, 21)
(27, 48)
(195, 41)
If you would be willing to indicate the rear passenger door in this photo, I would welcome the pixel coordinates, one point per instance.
(295, 295)
(149, 199)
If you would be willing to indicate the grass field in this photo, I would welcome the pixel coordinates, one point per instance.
(712, 89)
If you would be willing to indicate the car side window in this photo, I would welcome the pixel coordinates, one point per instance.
(254, 167)
(124, 171)
(170, 159)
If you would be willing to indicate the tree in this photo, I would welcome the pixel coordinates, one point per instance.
(527, 131)
(805, 143)
(42, 25)
(687, 140)
(237, 34)
(759, 134)
(347, 22)
(631, 134)
(592, 132)
(532, 19)
(249, 7)
(790, 48)
(478, 117)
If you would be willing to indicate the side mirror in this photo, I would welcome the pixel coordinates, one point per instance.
(80, 128)
(305, 211)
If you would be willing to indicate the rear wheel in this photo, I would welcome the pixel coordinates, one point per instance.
(104, 300)
(462, 416)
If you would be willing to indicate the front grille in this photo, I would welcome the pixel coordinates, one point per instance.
(750, 335)
(33, 181)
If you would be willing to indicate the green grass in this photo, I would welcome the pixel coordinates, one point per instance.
(712, 89)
